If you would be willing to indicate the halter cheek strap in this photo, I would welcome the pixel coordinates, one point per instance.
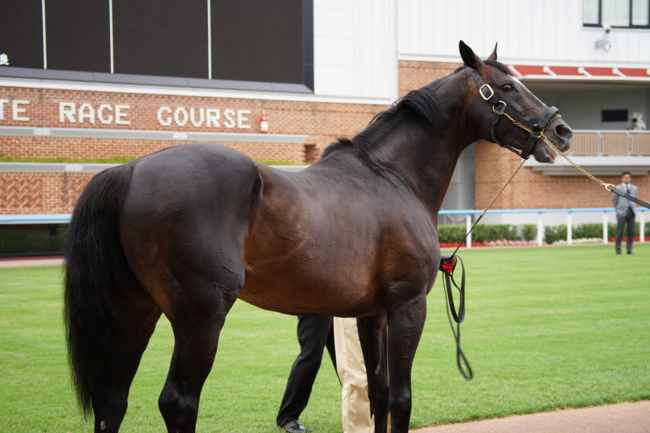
(535, 127)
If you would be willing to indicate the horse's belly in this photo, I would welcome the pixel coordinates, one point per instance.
(308, 291)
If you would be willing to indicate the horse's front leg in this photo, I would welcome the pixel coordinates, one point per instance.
(405, 324)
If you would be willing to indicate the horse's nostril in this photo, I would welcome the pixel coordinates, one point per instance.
(563, 131)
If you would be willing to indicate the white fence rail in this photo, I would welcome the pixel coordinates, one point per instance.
(610, 143)
(540, 220)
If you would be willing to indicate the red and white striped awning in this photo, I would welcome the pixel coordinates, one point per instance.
(580, 73)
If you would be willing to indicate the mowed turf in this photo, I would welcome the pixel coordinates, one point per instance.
(546, 328)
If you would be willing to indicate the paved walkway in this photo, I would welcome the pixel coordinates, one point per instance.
(616, 418)
(32, 262)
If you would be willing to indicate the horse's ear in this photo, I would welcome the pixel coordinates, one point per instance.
(493, 56)
(469, 58)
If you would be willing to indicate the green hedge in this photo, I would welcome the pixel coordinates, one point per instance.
(493, 232)
(527, 232)
(488, 232)
(611, 229)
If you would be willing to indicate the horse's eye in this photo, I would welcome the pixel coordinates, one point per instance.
(506, 87)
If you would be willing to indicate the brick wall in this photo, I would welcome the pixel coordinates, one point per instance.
(322, 121)
(416, 74)
(40, 193)
(36, 193)
(532, 189)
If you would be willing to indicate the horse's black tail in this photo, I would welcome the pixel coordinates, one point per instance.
(93, 312)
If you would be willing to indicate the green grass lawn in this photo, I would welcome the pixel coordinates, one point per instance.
(546, 328)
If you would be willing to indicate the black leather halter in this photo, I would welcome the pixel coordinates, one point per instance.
(535, 127)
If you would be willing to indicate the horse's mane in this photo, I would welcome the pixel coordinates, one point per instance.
(422, 104)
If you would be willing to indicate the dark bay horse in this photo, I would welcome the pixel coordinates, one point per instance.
(186, 231)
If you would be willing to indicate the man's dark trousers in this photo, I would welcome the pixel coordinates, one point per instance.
(629, 220)
(314, 334)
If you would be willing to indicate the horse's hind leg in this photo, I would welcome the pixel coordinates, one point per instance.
(198, 315)
(405, 324)
(372, 335)
(141, 315)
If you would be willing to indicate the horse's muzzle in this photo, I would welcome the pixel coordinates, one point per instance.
(560, 134)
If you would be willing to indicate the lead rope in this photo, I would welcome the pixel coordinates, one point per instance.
(448, 266)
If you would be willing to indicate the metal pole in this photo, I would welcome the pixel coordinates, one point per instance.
(642, 228)
(44, 36)
(468, 226)
(540, 229)
(604, 227)
(569, 233)
(110, 34)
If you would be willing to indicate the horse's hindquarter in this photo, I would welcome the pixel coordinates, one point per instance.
(185, 219)
(322, 242)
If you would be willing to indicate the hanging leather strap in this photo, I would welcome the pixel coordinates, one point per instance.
(448, 266)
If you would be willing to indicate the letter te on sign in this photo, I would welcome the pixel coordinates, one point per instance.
(164, 121)
(120, 116)
(241, 118)
(16, 111)
(67, 111)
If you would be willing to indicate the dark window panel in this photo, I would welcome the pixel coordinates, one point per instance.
(162, 37)
(78, 35)
(257, 41)
(614, 116)
(21, 32)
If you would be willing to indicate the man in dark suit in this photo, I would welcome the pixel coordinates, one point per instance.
(625, 212)
(314, 334)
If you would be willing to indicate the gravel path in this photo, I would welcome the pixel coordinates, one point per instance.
(616, 418)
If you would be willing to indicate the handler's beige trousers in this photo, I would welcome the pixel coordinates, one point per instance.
(352, 372)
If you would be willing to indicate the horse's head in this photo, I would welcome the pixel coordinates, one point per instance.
(504, 111)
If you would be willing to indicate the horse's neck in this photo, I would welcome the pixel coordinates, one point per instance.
(424, 159)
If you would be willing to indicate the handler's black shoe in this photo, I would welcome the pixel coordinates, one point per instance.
(295, 427)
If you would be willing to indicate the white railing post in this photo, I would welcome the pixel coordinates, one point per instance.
(540, 229)
(629, 143)
(605, 227)
(468, 226)
(569, 233)
(600, 144)
(642, 228)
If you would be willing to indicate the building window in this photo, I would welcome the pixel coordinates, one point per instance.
(613, 116)
(616, 13)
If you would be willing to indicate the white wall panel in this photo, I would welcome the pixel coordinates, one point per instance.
(528, 31)
(355, 53)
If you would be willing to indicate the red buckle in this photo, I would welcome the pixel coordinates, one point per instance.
(448, 267)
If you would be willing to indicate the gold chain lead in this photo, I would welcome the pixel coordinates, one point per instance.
(608, 186)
